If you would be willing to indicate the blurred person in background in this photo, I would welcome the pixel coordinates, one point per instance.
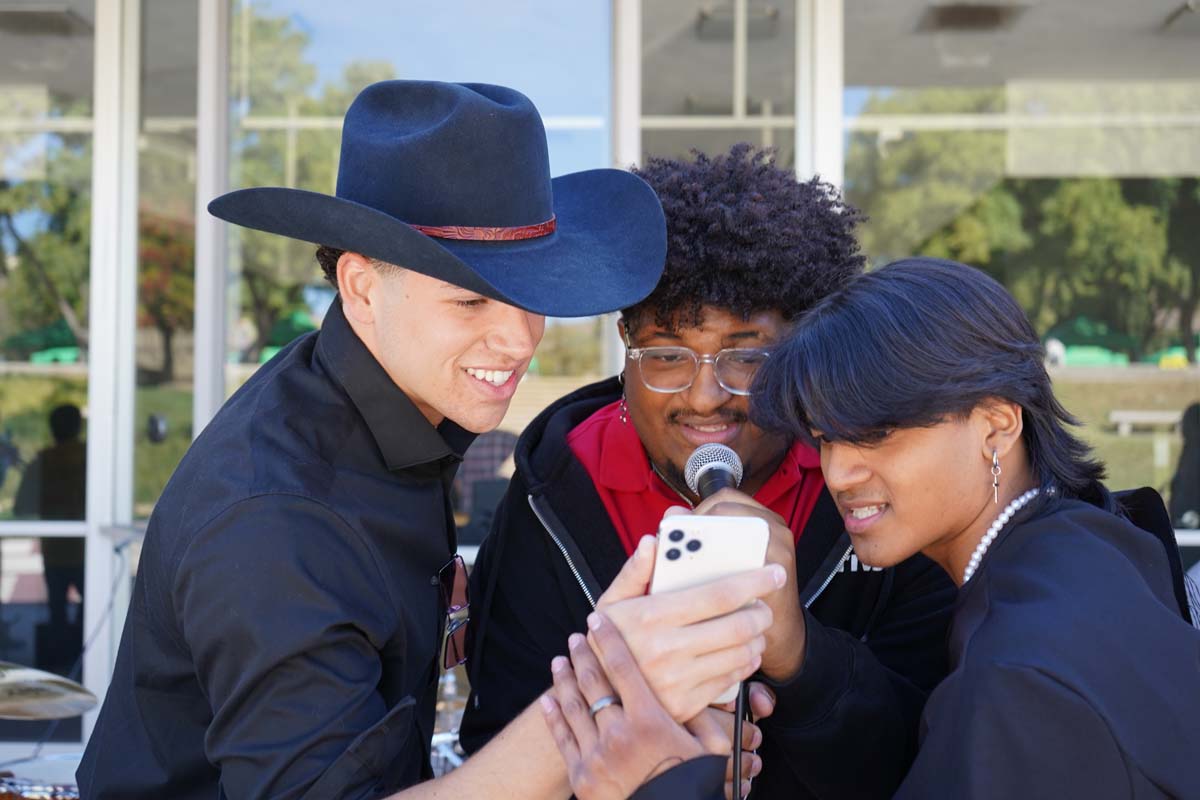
(1184, 500)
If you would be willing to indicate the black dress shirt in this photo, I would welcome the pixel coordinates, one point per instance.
(283, 636)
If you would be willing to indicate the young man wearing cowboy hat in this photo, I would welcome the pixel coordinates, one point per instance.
(298, 573)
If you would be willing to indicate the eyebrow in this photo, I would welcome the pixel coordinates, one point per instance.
(745, 335)
(736, 336)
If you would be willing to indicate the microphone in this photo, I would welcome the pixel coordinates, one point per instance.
(711, 468)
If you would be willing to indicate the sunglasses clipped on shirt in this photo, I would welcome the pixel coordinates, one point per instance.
(456, 597)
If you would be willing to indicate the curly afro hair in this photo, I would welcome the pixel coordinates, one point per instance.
(745, 236)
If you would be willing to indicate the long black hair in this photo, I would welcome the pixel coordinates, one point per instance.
(912, 344)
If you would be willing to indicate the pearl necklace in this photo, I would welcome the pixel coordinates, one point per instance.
(994, 531)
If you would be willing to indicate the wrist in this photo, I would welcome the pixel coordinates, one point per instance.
(784, 656)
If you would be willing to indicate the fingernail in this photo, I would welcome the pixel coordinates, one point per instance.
(547, 704)
(745, 788)
(779, 575)
(575, 640)
(594, 621)
(755, 766)
(558, 664)
(644, 545)
(755, 664)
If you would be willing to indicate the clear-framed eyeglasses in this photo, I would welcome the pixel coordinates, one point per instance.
(671, 369)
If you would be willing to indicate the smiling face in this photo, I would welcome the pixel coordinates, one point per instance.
(922, 490)
(672, 425)
(455, 353)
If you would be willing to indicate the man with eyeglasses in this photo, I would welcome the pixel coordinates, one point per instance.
(852, 651)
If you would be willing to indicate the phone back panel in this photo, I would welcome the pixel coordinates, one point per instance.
(694, 550)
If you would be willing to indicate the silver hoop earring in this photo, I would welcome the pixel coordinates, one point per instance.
(995, 477)
(623, 410)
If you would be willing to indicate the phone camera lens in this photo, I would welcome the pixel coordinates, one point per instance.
(675, 536)
(673, 554)
(693, 545)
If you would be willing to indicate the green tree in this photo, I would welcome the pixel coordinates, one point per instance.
(1114, 254)
(1122, 251)
(276, 82)
(46, 225)
(166, 283)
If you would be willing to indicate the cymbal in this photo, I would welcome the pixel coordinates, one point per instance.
(28, 693)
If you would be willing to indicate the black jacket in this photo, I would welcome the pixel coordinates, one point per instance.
(1075, 671)
(846, 726)
(283, 636)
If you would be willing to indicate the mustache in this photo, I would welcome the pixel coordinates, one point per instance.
(729, 416)
(846, 498)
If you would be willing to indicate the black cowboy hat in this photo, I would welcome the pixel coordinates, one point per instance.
(453, 181)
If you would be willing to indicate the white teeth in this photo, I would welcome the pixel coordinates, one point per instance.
(865, 511)
(710, 428)
(492, 376)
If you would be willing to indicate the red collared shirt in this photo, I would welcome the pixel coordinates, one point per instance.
(636, 497)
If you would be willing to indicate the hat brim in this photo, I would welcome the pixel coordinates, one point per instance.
(607, 252)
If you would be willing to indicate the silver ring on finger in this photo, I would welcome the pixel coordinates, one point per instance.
(603, 703)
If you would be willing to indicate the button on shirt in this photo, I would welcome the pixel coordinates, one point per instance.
(284, 632)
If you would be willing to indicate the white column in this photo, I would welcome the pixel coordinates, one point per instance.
(626, 82)
(820, 49)
(828, 44)
(111, 321)
(212, 178)
(741, 57)
(805, 59)
(626, 131)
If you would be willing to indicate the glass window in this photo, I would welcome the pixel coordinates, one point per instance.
(46, 77)
(45, 204)
(706, 87)
(166, 246)
(1056, 146)
(291, 80)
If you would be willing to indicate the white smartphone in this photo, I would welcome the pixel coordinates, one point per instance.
(694, 550)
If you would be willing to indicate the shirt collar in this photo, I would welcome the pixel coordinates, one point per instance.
(624, 466)
(403, 434)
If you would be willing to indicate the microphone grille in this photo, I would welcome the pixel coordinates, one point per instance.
(705, 457)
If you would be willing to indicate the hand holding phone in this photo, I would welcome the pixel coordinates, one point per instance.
(694, 550)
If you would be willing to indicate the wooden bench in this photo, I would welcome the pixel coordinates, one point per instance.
(1126, 419)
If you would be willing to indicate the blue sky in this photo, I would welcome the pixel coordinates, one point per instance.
(557, 53)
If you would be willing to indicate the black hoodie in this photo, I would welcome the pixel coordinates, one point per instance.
(845, 726)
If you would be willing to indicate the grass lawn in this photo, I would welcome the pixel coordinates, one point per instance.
(1091, 395)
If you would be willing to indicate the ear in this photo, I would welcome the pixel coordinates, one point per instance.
(356, 279)
(1003, 422)
(622, 331)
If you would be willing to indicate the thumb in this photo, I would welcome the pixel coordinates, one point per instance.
(634, 577)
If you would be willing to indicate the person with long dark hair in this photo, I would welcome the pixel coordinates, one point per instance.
(1075, 671)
